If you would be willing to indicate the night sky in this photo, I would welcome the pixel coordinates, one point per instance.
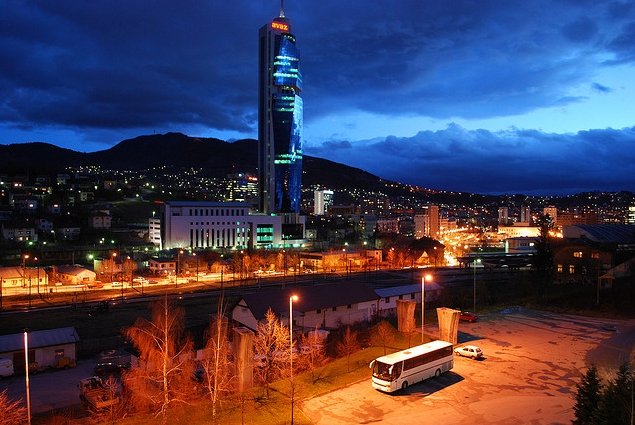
(534, 97)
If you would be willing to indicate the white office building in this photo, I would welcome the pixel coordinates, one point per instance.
(630, 215)
(226, 225)
(322, 200)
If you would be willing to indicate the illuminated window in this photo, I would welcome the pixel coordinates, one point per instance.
(571, 269)
(595, 255)
(559, 268)
(577, 254)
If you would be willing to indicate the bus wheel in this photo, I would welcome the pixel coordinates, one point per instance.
(437, 373)
(404, 385)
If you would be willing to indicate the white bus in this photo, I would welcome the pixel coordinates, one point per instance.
(406, 367)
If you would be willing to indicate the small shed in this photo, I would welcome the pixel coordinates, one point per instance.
(46, 348)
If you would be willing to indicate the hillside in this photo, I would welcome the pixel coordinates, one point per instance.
(176, 151)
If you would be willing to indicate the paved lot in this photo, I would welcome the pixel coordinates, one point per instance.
(50, 390)
(533, 360)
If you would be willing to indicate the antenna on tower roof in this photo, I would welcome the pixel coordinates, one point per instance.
(282, 8)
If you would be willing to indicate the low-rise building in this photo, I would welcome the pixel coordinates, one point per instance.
(324, 306)
(18, 279)
(75, 275)
(387, 303)
(46, 348)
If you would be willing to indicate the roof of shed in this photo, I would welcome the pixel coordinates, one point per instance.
(309, 298)
(39, 339)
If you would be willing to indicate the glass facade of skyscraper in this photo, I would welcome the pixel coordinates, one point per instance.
(280, 120)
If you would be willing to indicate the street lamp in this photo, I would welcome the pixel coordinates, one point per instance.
(194, 255)
(37, 265)
(345, 260)
(24, 258)
(292, 298)
(423, 300)
(476, 260)
(112, 267)
(178, 268)
(26, 381)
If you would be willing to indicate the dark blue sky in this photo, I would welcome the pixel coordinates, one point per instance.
(482, 96)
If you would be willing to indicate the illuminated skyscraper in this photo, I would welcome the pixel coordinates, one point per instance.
(279, 118)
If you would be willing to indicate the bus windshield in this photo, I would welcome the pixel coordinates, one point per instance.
(387, 372)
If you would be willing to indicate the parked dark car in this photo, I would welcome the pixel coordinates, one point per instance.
(108, 369)
(112, 362)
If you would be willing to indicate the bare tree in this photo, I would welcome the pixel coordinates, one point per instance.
(109, 268)
(128, 267)
(164, 375)
(347, 346)
(312, 354)
(271, 345)
(383, 334)
(13, 413)
(216, 365)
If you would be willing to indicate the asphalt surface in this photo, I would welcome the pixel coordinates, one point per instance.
(533, 361)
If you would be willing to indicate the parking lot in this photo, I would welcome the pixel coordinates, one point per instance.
(532, 363)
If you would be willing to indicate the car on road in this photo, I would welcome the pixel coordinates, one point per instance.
(469, 351)
(466, 316)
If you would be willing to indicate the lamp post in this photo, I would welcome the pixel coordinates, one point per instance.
(178, 268)
(112, 267)
(292, 298)
(435, 257)
(24, 258)
(196, 259)
(476, 260)
(345, 260)
(423, 301)
(37, 265)
(26, 381)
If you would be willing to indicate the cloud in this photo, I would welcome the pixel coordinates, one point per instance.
(600, 88)
(511, 161)
(90, 72)
(103, 65)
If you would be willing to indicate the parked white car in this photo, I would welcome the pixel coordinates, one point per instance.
(469, 351)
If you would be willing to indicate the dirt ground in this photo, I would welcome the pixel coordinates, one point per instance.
(533, 361)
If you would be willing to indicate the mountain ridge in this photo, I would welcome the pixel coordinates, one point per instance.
(217, 157)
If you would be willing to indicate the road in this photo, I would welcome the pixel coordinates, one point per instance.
(19, 299)
(533, 361)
